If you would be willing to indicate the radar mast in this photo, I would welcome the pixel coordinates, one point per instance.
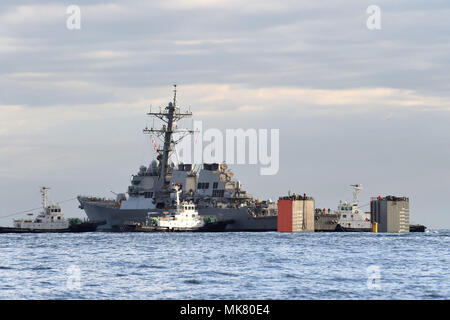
(356, 190)
(170, 116)
(44, 196)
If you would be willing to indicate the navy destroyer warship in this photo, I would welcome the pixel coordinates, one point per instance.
(210, 186)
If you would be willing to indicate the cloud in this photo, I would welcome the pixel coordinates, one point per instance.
(11, 45)
(218, 100)
(209, 99)
(251, 6)
(33, 14)
(74, 102)
(319, 45)
(107, 54)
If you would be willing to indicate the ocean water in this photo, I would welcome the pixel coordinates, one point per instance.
(225, 266)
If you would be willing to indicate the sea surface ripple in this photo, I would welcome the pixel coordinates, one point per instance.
(225, 266)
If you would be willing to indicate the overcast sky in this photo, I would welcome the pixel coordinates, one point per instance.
(353, 105)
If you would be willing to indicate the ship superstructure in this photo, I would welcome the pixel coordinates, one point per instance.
(350, 216)
(50, 219)
(209, 186)
(183, 217)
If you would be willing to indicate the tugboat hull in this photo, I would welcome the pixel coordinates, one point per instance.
(218, 226)
(340, 228)
(417, 228)
(74, 228)
(21, 230)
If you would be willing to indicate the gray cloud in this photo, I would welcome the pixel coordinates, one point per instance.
(353, 105)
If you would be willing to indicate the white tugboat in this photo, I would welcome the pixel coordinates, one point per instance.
(350, 217)
(184, 218)
(51, 219)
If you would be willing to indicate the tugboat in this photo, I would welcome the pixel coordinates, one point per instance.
(51, 219)
(351, 219)
(183, 218)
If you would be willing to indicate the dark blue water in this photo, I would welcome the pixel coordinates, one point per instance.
(225, 266)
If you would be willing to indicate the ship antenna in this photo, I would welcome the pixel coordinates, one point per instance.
(356, 190)
(175, 95)
(177, 190)
(44, 196)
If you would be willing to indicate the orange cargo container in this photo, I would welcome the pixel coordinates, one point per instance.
(296, 214)
(284, 216)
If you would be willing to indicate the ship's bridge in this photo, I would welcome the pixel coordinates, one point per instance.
(52, 209)
(188, 206)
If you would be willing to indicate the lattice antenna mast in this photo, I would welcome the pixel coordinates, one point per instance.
(170, 116)
(356, 190)
(44, 196)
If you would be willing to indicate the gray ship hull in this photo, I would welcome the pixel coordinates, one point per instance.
(340, 228)
(325, 222)
(242, 220)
